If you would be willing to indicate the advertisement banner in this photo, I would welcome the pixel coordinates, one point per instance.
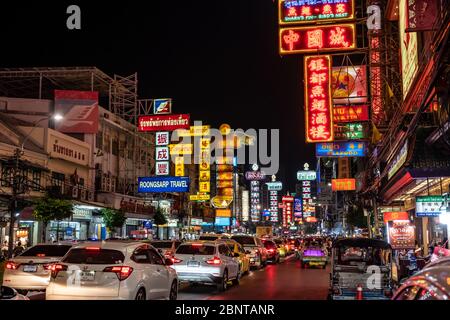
(162, 138)
(351, 113)
(341, 149)
(318, 116)
(162, 106)
(204, 186)
(79, 110)
(310, 39)
(349, 84)
(350, 131)
(421, 15)
(199, 197)
(181, 149)
(179, 166)
(343, 184)
(162, 168)
(223, 213)
(303, 175)
(163, 184)
(195, 131)
(245, 205)
(397, 215)
(163, 122)
(310, 11)
(205, 175)
(430, 206)
(298, 207)
(274, 186)
(402, 235)
(162, 154)
(254, 175)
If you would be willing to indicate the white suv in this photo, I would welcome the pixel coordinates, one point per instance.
(113, 270)
(207, 262)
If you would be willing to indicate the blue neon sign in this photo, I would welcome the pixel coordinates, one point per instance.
(163, 184)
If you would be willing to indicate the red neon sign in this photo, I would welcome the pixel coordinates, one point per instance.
(310, 11)
(322, 38)
(343, 184)
(318, 117)
(351, 113)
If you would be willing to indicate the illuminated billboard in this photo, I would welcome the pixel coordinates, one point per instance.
(343, 184)
(349, 84)
(351, 113)
(163, 122)
(350, 131)
(341, 149)
(309, 11)
(318, 116)
(408, 46)
(317, 38)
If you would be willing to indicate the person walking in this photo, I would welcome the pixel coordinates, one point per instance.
(4, 252)
(18, 249)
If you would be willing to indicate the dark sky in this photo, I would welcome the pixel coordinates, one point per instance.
(217, 60)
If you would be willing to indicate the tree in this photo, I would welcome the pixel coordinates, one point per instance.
(48, 208)
(159, 219)
(113, 218)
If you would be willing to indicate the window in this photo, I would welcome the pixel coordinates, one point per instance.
(162, 244)
(107, 143)
(115, 147)
(46, 251)
(94, 256)
(141, 255)
(58, 179)
(245, 241)
(155, 257)
(223, 249)
(199, 249)
(36, 176)
(81, 182)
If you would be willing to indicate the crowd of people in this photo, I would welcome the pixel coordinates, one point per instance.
(18, 248)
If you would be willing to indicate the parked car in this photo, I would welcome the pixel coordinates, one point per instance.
(113, 270)
(207, 262)
(32, 268)
(272, 251)
(8, 293)
(254, 248)
(431, 283)
(165, 247)
(236, 247)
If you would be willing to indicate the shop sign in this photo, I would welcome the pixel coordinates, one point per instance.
(61, 146)
(401, 235)
(163, 184)
(396, 215)
(408, 47)
(195, 131)
(430, 206)
(317, 38)
(311, 219)
(310, 11)
(349, 84)
(162, 154)
(172, 223)
(306, 175)
(162, 106)
(343, 184)
(274, 186)
(341, 149)
(204, 186)
(221, 202)
(196, 222)
(350, 113)
(223, 213)
(421, 15)
(399, 160)
(349, 131)
(179, 166)
(318, 117)
(222, 222)
(163, 122)
(254, 175)
(199, 197)
(162, 168)
(181, 149)
(82, 214)
(162, 138)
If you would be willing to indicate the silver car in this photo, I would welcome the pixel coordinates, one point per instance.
(31, 269)
(207, 262)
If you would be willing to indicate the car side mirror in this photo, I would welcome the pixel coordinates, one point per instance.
(168, 262)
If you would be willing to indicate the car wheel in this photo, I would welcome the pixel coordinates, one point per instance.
(173, 291)
(237, 279)
(140, 295)
(223, 285)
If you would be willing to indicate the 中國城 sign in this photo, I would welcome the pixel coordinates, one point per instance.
(318, 117)
(311, 39)
(163, 184)
(310, 11)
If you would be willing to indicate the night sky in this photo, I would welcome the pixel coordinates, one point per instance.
(217, 60)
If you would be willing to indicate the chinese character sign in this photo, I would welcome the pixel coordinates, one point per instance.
(343, 184)
(310, 11)
(273, 205)
(318, 117)
(317, 38)
(162, 138)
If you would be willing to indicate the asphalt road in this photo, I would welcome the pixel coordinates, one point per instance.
(284, 281)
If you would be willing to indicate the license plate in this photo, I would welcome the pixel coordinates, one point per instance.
(193, 264)
(87, 276)
(29, 268)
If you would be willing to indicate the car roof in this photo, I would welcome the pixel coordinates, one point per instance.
(113, 245)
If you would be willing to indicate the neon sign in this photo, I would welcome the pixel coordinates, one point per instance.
(307, 11)
(341, 149)
(314, 38)
(351, 113)
(318, 117)
(343, 184)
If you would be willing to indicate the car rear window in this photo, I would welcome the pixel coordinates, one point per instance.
(269, 244)
(196, 249)
(162, 245)
(87, 256)
(46, 251)
(245, 241)
(208, 238)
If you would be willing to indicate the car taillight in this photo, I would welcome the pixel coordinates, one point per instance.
(12, 265)
(214, 261)
(271, 250)
(55, 268)
(176, 260)
(122, 272)
(48, 266)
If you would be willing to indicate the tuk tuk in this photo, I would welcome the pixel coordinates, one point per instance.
(361, 270)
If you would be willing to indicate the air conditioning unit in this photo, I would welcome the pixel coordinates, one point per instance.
(83, 194)
(75, 192)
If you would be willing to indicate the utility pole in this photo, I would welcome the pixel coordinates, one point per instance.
(13, 202)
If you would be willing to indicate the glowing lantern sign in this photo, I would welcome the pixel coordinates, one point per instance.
(308, 11)
(314, 38)
(318, 118)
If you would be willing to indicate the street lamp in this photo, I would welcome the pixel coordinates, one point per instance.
(17, 155)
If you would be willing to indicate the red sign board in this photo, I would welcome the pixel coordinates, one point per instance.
(391, 216)
(163, 122)
(287, 199)
(308, 11)
(343, 184)
(311, 219)
(402, 235)
(288, 210)
(351, 113)
(422, 15)
(317, 38)
(318, 116)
